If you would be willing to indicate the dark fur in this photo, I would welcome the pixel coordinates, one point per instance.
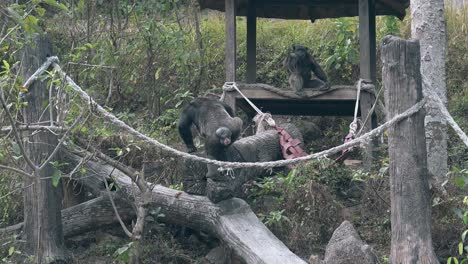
(300, 65)
(214, 121)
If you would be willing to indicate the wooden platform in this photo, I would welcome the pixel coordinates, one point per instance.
(336, 101)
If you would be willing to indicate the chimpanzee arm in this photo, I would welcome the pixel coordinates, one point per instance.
(228, 109)
(318, 71)
(185, 123)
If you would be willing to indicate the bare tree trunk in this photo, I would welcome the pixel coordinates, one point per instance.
(409, 188)
(428, 25)
(42, 201)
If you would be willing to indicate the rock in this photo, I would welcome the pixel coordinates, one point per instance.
(215, 256)
(345, 247)
(310, 131)
(314, 259)
(219, 255)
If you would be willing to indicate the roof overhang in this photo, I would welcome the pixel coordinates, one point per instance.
(310, 9)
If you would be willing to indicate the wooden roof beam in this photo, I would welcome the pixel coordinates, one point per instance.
(395, 6)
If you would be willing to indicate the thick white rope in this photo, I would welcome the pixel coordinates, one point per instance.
(231, 86)
(434, 97)
(232, 165)
(40, 70)
(354, 124)
(370, 111)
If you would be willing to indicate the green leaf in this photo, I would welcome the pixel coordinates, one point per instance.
(21, 88)
(56, 177)
(156, 74)
(16, 149)
(464, 235)
(11, 250)
(40, 11)
(460, 248)
(449, 260)
(459, 181)
(123, 253)
(6, 66)
(30, 24)
(56, 4)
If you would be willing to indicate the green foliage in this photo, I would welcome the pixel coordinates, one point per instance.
(10, 199)
(460, 179)
(457, 82)
(123, 253)
(335, 177)
(345, 51)
(275, 218)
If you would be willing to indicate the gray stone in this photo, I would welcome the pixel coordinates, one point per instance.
(314, 259)
(215, 256)
(345, 247)
(310, 131)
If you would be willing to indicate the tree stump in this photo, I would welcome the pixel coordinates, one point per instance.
(409, 187)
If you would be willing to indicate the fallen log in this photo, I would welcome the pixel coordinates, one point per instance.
(232, 221)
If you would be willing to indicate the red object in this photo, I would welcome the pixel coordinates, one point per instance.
(348, 138)
(290, 147)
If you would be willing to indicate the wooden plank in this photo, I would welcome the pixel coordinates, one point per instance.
(251, 42)
(258, 91)
(304, 108)
(230, 40)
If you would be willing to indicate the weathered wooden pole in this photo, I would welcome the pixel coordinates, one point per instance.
(42, 201)
(230, 7)
(251, 74)
(367, 66)
(230, 14)
(409, 187)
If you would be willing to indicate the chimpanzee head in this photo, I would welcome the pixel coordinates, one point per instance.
(299, 48)
(224, 135)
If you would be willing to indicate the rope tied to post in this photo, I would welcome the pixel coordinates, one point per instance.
(361, 139)
(353, 126)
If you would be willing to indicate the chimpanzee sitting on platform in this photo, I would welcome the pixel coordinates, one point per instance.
(300, 64)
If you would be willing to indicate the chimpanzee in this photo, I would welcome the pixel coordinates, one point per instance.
(300, 64)
(216, 123)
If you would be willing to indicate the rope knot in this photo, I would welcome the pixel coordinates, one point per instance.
(229, 86)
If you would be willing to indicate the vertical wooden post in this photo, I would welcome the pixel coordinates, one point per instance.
(409, 187)
(251, 42)
(367, 40)
(42, 201)
(367, 65)
(230, 13)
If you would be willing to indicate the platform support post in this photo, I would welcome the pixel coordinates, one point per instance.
(367, 67)
(251, 42)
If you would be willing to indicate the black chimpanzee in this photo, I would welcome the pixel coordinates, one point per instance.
(300, 64)
(215, 122)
